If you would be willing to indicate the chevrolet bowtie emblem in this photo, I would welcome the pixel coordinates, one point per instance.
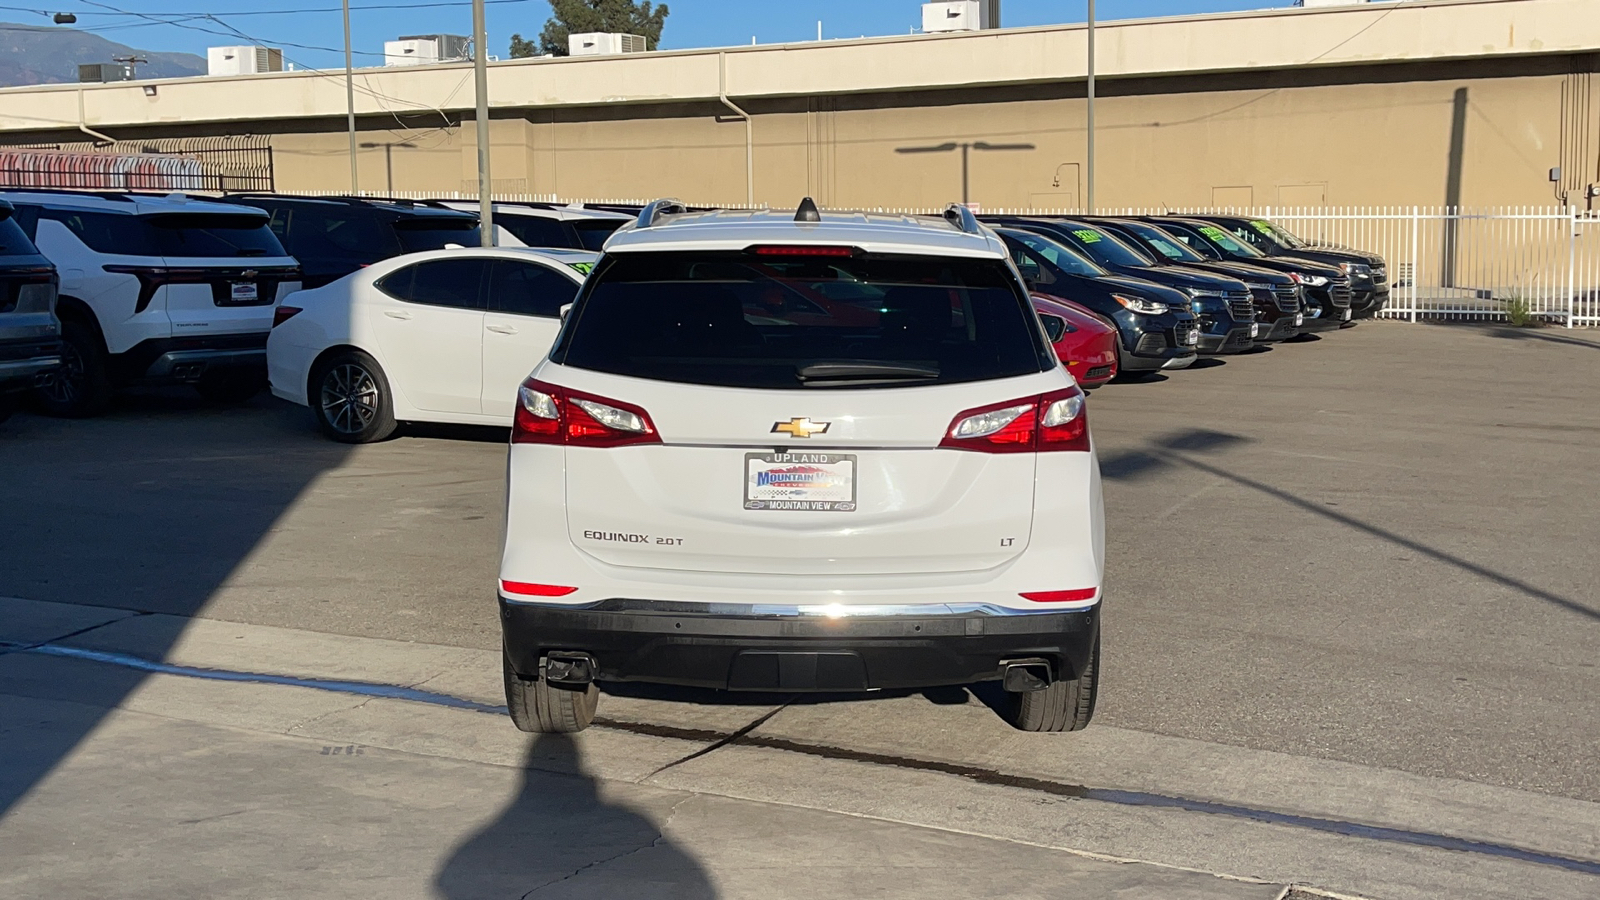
(249, 273)
(800, 428)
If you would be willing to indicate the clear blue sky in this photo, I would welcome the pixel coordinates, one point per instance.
(693, 23)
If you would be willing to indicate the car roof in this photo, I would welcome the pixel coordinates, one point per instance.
(561, 213)
(559, 257)
(671, 228)
(386, 204)
(125, 202)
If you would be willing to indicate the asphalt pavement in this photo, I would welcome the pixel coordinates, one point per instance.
(1351, 582)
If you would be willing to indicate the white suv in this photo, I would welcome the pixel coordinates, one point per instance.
(573, 227)
(156, 289)
(802, 453)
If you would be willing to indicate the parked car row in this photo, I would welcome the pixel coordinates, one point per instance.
(399, 315)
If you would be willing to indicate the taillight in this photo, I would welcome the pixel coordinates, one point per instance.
(1077, 595)
(152, 277)
(800, 250)
(527, 589)
(1054, 421)
(283, 314)
(550, 414)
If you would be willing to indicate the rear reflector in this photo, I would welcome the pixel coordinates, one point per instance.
(1074, 596)
(535, 590)
(801, 250)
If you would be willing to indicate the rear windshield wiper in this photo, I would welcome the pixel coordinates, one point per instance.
(824, 372)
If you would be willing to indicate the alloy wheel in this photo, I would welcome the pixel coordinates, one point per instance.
(349, 398)
(65, 384)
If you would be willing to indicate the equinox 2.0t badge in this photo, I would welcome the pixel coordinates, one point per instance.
(800, 428)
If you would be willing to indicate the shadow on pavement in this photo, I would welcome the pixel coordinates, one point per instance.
(1174, 450)
(150, 508)
(559, 829)
(1534, 334)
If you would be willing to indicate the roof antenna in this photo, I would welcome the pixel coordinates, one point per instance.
(807, 211)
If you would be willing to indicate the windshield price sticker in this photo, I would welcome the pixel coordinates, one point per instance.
(1088, 236)
(582, 268)
(1263, 227)
(1213, 232)
(819, 482)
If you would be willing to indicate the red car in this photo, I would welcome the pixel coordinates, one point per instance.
(1086, 344)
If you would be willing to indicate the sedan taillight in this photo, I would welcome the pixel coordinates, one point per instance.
(282, 314)
(551, 414)
(1054, 421)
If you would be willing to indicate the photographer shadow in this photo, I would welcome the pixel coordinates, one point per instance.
(560, 838)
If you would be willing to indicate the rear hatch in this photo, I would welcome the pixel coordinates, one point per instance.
(800, 404)
(221, 273)
(27, 294)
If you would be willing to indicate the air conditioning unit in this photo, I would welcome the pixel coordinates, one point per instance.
(97, 72)
(426, 49)
(243, 60)
(960, 15)
(603, 43)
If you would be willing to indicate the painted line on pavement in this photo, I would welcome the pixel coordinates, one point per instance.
(971, 773)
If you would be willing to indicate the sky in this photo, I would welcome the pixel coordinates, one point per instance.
(315, 25)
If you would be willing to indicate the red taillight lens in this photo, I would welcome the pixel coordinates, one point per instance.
(1073, 596)
(283, 314)
(801, 250)
(550, 414)
(525, 589)
(1054, 421)
(153, 277)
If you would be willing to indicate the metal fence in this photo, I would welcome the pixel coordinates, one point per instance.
(1456, 262)
(168, 164)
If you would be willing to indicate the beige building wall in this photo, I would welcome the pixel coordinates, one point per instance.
(1353, 144)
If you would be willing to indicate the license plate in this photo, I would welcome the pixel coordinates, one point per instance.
(244, 291)
(1299, 319)
(1346, 316)
(1255, 330)
(1193, 337)
(819, 482)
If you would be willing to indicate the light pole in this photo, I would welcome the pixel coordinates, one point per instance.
(350, 100)
(480, 73)
(1089, 194)
(388, 158)
(964, 147)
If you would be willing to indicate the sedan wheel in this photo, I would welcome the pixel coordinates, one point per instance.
(351, 399)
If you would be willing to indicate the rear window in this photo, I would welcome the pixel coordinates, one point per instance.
(196, 235)
(433, 233)
(736, 320)
(592, 233)
(13, 240)
(535, 231)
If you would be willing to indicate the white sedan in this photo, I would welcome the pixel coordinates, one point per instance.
(440, 336)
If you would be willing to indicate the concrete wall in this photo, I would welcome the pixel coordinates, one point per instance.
(1380, 136)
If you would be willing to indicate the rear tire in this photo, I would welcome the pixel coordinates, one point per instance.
(1063, 706)
(351, 399)
(81, 387)
(230, 387)
(539, 707)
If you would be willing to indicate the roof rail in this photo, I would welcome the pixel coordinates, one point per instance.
(658, 208)
(962, 218)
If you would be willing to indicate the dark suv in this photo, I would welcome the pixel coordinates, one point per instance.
(30, 335)
(1369, 277)
(1221, 303)
(1155, 328)
(1276, 294)
(1324, 290)
(334, 236)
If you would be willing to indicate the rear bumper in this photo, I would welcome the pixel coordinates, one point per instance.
(24, 363)
(739, 648)
(187, 358)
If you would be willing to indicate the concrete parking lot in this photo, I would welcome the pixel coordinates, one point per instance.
(1353, 600)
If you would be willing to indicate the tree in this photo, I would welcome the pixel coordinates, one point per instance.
(580, 16)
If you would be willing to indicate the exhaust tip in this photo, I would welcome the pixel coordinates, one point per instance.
(568, 668)
(1024, 676)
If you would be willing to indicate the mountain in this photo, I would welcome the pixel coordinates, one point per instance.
(41, 54)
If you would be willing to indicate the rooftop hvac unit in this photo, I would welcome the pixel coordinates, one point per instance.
(1311, 3)
(960, 15)
(602, 43)
(243, 60)
(94, 72)
(426, 49)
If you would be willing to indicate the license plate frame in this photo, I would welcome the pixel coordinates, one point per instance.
(814, 482)
(244, 292)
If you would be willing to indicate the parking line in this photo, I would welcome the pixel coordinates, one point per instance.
(972, 773)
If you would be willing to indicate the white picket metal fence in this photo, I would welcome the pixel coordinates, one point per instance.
(1465, 263)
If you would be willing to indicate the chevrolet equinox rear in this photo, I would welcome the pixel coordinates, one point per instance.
(809, 452)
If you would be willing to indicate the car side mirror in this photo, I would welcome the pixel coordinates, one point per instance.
(1055, 327)
(565, 308)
